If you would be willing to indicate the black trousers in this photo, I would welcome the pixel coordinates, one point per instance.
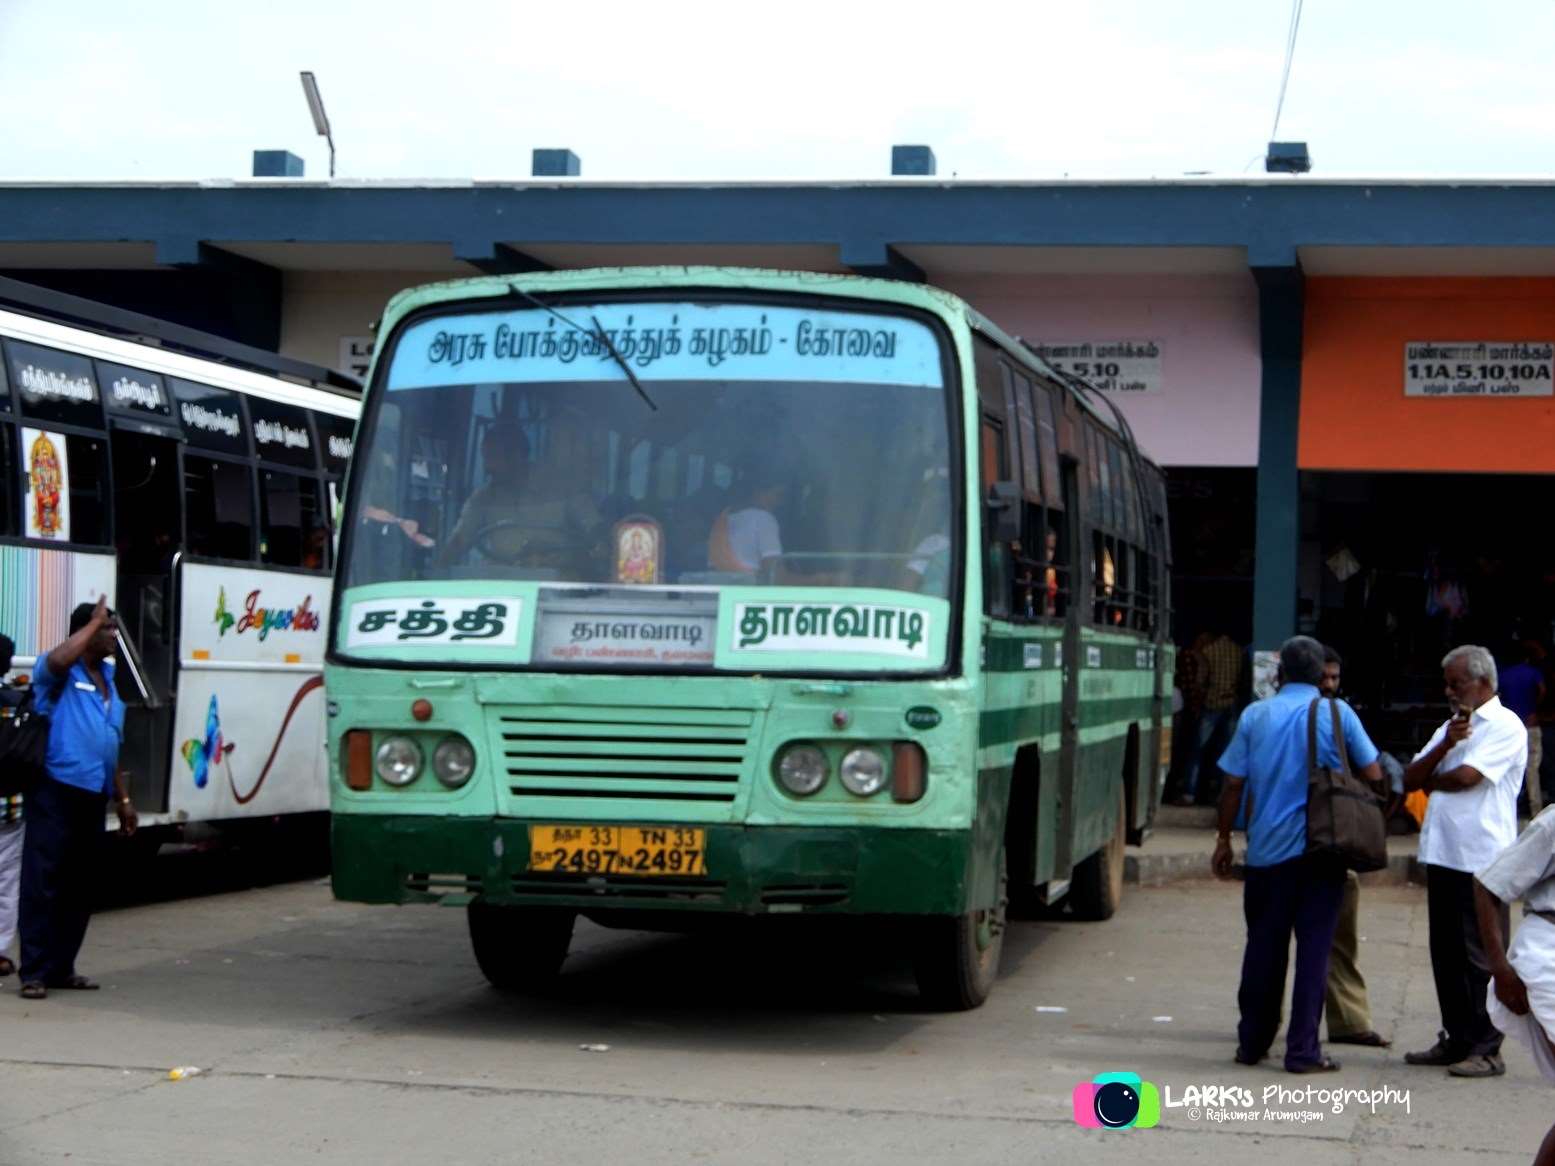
(59, 866)
(1294, 896)
(1458, 961)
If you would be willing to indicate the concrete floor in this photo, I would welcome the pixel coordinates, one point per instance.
(331, 1032)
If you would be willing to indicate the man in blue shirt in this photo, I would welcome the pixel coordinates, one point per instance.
(1285, 891)
(73, 686)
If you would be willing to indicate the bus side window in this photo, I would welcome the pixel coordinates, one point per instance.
(291, 524)
(9, 477)
(1054, 547)
(219, 508)
(89, 486)
(997, 565)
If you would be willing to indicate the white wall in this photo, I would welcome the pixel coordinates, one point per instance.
(1206, 413)
(319, 307)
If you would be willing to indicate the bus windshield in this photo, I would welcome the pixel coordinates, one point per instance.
(771, 446)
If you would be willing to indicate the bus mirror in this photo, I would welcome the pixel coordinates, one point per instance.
(1004, 512)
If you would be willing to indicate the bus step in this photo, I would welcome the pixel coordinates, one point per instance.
(803, 894)
(446, 883)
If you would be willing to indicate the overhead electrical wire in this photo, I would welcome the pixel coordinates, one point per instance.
(1290, 54)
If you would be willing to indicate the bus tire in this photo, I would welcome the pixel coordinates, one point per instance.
(1096, 888)
(956, 957)
(519, 949)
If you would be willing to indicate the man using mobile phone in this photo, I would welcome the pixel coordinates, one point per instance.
(1473, 768)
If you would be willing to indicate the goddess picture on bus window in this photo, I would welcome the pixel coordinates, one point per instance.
(47, 486)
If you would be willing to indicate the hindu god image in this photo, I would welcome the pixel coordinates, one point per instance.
(44, 476)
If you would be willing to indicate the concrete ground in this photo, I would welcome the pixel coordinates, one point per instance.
(330, 1032)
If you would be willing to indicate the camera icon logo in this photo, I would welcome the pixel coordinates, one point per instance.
(1117, 1101)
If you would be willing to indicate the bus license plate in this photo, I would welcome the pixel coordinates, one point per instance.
(627, 850)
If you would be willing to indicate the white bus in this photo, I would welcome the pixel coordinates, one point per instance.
(192, 482)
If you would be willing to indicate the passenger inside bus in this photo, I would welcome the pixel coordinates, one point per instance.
(928, 566)
(746, 538)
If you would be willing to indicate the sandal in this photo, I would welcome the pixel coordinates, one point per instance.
(34, 991)
(1326, 1065)
(1370, 1039)
(77, 984)
(6, 966)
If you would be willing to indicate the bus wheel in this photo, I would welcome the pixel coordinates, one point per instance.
(519, 949)
(1096, 888)
(956, 958)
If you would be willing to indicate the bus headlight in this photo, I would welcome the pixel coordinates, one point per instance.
(802, 769)
(398, 760)
(863, 772)
(453, 761)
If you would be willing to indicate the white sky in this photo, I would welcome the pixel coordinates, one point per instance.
(686, 89)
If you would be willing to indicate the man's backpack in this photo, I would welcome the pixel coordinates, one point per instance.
(24, 746)
(1344, 817)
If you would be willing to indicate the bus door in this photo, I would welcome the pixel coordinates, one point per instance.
(148, 510)
(1076, 553)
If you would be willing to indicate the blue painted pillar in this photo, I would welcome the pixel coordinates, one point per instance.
(1281, 301)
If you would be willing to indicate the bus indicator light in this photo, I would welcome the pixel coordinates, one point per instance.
(421, 709)
(359, 759)
(909, 771)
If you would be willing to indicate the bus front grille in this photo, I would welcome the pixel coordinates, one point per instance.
(592, 753)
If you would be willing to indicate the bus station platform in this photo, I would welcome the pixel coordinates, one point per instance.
(1179, 849)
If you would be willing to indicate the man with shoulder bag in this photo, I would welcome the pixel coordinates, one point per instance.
(1283, 747)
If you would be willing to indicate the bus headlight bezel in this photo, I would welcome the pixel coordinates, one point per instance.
(802, 769)
(398, 761)
(864, 772)
(453, 761)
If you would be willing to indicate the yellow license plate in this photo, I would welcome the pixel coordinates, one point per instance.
(625, 850)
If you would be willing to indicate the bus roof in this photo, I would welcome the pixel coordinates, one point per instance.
(149, 332)
(48, 329)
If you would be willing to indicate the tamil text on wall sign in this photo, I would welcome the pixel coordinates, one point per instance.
(1117, 366)
(1479, 368)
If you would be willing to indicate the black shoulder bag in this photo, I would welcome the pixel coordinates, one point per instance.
(24, 746)
(1344, 817)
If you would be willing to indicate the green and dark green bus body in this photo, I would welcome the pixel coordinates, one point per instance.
(1022, 647)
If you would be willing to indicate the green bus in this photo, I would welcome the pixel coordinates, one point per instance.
(682, 592)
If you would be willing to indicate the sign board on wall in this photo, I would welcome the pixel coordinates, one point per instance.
(1479, 368)
(1121, 366)
(356, 356)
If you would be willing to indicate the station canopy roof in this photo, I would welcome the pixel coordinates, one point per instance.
(914, 228)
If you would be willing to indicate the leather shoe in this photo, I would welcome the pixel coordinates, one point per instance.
(1441, 1053)
(1479, 1065)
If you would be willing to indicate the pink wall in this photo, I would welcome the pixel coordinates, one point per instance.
(1206, 413)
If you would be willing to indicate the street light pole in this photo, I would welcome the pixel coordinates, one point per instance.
(310, 89)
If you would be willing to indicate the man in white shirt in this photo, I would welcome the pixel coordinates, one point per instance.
(746, 539)
(1522, 999)
(1473, 769)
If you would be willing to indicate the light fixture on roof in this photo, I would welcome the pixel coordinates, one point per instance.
(310, 89)
(1287, 158)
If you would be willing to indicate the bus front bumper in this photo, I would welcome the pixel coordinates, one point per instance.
(750, 869)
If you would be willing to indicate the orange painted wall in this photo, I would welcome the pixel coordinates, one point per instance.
(1354, 415)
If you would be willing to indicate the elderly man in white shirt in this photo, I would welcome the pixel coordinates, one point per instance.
(1473, 769)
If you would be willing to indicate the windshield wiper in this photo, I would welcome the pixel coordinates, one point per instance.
(598, 334)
